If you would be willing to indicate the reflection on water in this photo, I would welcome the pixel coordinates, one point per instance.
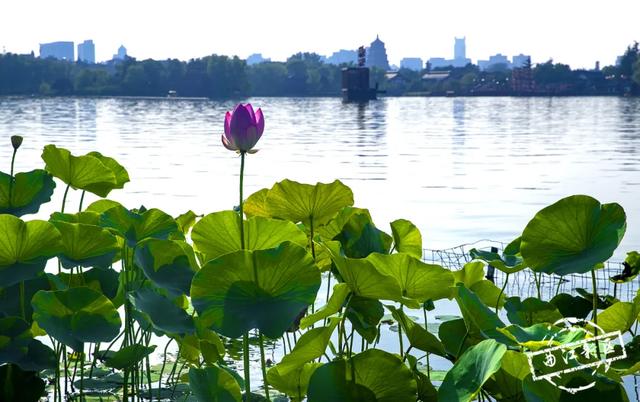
(460, 168)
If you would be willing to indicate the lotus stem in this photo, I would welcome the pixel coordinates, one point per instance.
(558, 287)
(400, 333)
(64, 198)
(81, 200)
(313, 248)
(506, 280)
(264, 366)
(242, 154)
(535, 277)
(13, 159)
(595, 308)
(245, 337)
(426, 327)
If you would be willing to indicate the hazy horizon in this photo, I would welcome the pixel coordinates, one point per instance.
(578, 36)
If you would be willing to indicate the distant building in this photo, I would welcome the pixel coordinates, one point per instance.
(496, 61)
(343, 56)
(460, 48)
(57, 50)
(87, 52)
(122, 53)
(412, 63)
(257, 58)
(459, 56)
(377, 55)
(436, 76)
(520, 60)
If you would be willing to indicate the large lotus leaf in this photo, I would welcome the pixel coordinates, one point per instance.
(510, 261)
(204, 342)
(25, 248)
(19, 385)
(104, 281)
(219, 233)
(76, 315)
(531, 311)
(264, 289)
(572, 306)
(479, 318)
(298, 202)
(631, 268)
(295, 383)
(29, 191)
(169, 264)
(406, 237)
(631, 364)
(417, 335)
(135, 227)
(330, 230)
(86, 245)
(573, 235)
(417, 280)
(164, 314)
(335, 303)
(540, 336)
(38, 357)
(470, 274)
(453, 333)
(80, 172)
(506, 383)
(360, 237)
(602, 301)
(311, 345)
(103, 205)
(426, 391)
(471, 371)
(255, 204)
(373, 375)
(605, 389)
(120, 173)
(618, 317)
(365, 314)
(364, 279)
(15, 336)
(186, 221)
(128, 356)
(490, 294)
(213, 384)
(10, 297)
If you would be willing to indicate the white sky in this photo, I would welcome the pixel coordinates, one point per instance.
(569, 31)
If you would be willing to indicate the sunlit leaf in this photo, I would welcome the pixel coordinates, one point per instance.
(213, 384)
(29, 191)
(135, 227)
(407, 237)
(169, 264)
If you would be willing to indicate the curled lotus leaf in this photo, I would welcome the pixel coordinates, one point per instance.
(136, 226)
(169, 264)
(406, 237)
(573, 236)
(295, 382)
(29, 191)
(86, 245)
(631, 268)
(509, 261)
(263, 289)
(25, 248)
(214, 384)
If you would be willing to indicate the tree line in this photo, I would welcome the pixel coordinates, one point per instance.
(302, 74)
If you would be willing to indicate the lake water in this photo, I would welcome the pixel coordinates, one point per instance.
(461, 169)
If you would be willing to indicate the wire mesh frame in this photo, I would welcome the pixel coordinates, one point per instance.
(523, 283)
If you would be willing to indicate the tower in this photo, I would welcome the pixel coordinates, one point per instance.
(460, 49)
(377, 55)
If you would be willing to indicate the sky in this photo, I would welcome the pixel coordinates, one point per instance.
(569, 31)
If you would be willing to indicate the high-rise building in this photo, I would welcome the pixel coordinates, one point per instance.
(122, 53)
(343, 56)
(57, 50)
(520, 60)
(256, 58)
(412, 63)
(377, 55)
(87, 52)
(460, 48)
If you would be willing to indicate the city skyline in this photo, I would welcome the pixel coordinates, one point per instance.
(578, 37)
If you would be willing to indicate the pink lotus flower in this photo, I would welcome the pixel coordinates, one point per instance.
(243, 128)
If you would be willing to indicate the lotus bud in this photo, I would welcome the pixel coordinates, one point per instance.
(16, 141)
(243, 128)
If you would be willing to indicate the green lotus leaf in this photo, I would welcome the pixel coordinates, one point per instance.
(572, 306)
(294, 383)
(619, 317)
(311, 345)
(10, 297)
(19, 385)
(120, 173)
(506, 383)
(573, 235)
(128, 356)
(335, 303)
(480, 319)
(631, 364)
(510, 261)
(406, 237)
(330, 230)
(364, 279)
(101, 206)
(164, 314)
(605, 389)
(470, 274)
(169, 264)
(360, 237)
(38, 357)
(489, 293)
(426, 390)
(631, 268)
(135, 227)
(25, 248)
(531, 311)
(85, 217)
(186, 221)
(417, 335)
(80, 172)
(365, 315)
(539, 336)
(15, 336)
(471, 371)
(453, 333)
(103, 281)
(373, 375)
(219, 233)
(417, 280)
(602, 301)
(213, 384)
(76, 315)
(85, 245)
(298, 202)
(204, 342)
(255, 205)
(29, 191)
(264, 289)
